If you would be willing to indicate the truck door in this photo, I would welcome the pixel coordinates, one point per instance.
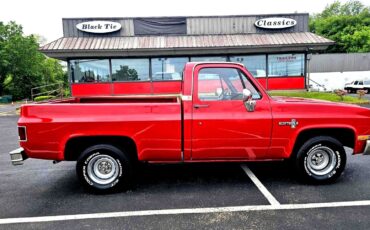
(222, 128)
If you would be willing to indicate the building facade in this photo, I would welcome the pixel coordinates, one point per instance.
(327, 72)
(119, 56)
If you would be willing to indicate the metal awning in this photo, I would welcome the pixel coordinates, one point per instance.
(69, 47)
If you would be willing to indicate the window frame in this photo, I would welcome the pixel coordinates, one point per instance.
(71, 73)
(304, 66)
(240, 77)
(130, 58)
(167, 57)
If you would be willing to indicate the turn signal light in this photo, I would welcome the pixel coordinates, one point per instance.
(22, 133)
(363, 137)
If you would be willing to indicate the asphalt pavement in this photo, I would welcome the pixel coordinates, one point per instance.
(179, 196)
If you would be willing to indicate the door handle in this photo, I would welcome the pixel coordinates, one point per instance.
(197, 106)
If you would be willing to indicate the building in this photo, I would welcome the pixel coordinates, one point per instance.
(328, 72)
(118, 56)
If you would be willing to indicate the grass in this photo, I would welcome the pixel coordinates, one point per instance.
(320, 96)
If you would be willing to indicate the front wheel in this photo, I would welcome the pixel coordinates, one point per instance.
(321, 159)
(103, 168)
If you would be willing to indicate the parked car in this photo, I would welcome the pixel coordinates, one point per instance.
(163, 76)
(231, 119)
(358, 85)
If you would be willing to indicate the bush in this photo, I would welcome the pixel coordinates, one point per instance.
(341, 93)
(361, 93)
(43, 98)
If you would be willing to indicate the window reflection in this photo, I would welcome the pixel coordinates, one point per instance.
(256, 64)
(167, 69)
(89, 70)
(281, 65)
(130, 69)
(219, 84)
(210, 59)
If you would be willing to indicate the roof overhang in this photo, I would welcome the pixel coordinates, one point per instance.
(90, 47)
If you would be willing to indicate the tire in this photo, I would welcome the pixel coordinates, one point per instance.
(321, 159)
(104, 168)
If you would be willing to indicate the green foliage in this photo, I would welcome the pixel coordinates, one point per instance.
(22, 66)
(43, 98)
(347, 24)
(125, 74)
(321, 96)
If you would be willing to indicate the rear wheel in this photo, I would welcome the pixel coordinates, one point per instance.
(104, 168)
(321, 159)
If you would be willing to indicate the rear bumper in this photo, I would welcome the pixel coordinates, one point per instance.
(17, 156)
(367, 148)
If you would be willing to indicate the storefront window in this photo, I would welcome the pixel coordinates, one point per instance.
(211, 59)
(130, 69)
(286, 65)
(167, 69)
(256, 64)
(89, 70)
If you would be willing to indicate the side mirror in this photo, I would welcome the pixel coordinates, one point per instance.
(248, 101)
(247, 95)
(219, 92)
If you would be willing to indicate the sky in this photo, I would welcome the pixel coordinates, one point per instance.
(44, 17)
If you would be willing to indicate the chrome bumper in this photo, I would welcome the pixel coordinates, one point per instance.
(17, 156)
(367, 148)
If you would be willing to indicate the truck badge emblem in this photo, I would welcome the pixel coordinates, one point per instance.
(293, 123)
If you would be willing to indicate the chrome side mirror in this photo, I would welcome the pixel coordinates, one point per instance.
(219, 92)
(248, 101)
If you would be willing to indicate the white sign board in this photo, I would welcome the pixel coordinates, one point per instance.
(275, 23)
(99, 27)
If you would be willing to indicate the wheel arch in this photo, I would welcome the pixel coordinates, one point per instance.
(75, 145)
(345, 135)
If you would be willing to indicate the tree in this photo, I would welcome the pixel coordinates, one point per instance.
(22, 66)
(347, 24)
(126, 74)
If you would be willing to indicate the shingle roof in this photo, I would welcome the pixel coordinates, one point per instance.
(184, 41)
(80, 45)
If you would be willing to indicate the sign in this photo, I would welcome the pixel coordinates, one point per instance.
(99, 27)
(275, 23)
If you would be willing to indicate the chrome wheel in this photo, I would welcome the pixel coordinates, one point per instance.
(103, 169)
(321, 160)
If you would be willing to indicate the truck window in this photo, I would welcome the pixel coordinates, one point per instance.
(356, 83)
(361, 83)
(223, 84)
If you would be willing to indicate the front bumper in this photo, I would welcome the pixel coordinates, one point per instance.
(367, 148)
(17, 156)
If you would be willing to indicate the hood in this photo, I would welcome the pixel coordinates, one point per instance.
(284, 99)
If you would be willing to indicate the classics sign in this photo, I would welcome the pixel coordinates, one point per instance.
(99, 27)
(275, 23)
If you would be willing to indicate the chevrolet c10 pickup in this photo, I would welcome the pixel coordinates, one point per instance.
(222, 114)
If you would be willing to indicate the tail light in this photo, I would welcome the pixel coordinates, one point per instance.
(22, 134)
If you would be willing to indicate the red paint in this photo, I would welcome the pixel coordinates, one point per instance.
(221, 131)
(282, 83)
(124, 88)
(166, 87)
(91, 89)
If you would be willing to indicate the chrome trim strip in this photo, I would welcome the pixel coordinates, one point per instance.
(16, 156)
(186, 98)
(367, 148)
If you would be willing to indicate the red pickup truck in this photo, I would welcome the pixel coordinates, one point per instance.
(222, 115)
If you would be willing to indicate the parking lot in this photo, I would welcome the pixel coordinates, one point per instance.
(40, 195)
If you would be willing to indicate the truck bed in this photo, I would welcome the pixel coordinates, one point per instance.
(154, 124)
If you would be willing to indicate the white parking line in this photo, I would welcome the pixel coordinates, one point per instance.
(260, 186)
(184, 211)
(34, 170)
